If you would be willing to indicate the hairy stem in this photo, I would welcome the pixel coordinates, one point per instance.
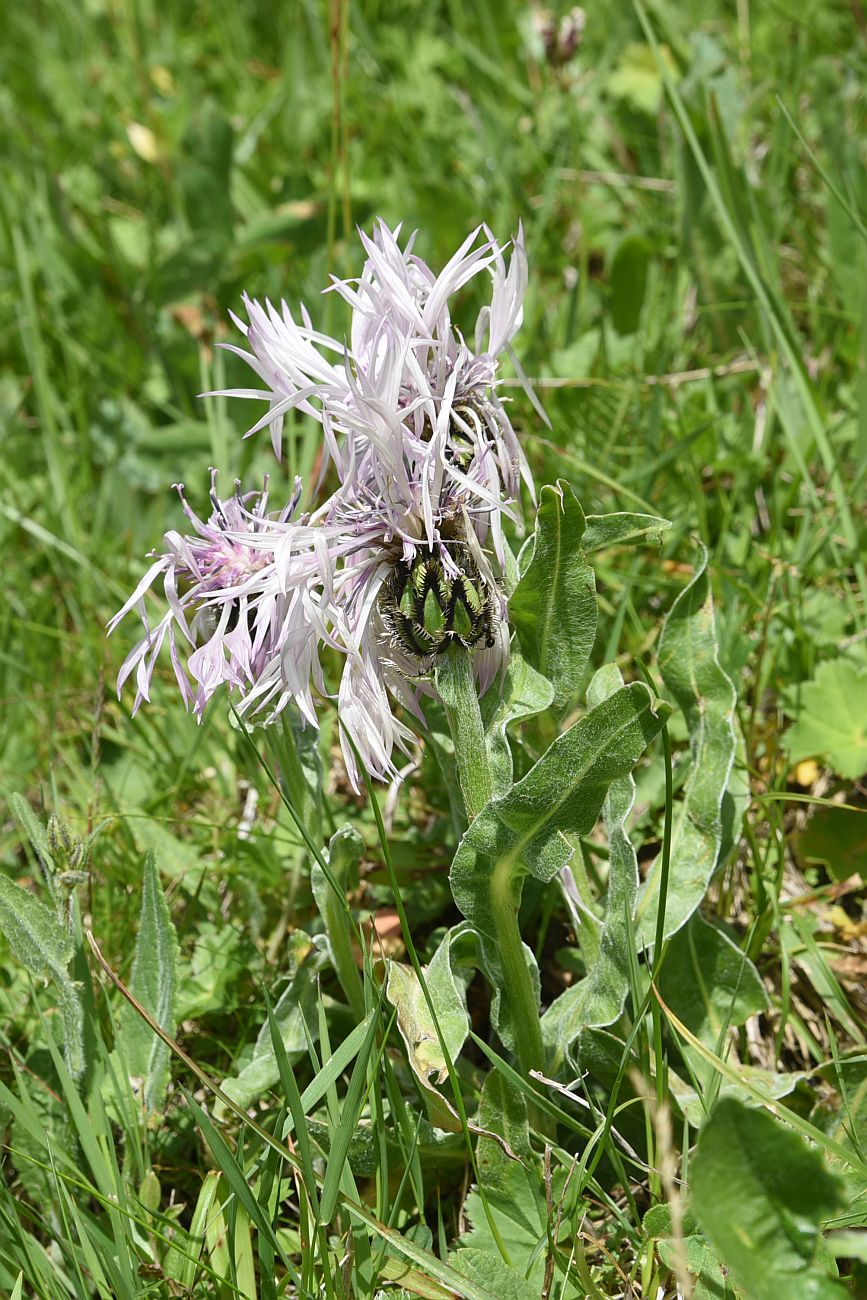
(517, 981)
(457, 690)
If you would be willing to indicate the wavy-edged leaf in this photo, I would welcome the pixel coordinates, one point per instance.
(690, 668)
(622, 529)
(447, 988)
(524, 692)
(526, 831)
(598, 999)
(553, 606)
(153, 982)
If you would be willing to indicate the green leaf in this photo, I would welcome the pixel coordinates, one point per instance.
(36, 937)
(708, 1276)
(836, 837)
(523, 693)
(490, 1272)
(34, 830)
(708, 982)
(628, 280)
(153, 982)
(598, 999)
(832, 720)
(622, 529)
(690, 668)
(345, 851)
(760, 1194)
(456, 688)
(553, 606)
(525, 831)
(447, 989)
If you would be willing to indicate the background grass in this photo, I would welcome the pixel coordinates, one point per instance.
(695, 325)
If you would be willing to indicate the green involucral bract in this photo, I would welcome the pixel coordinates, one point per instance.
(690, 668)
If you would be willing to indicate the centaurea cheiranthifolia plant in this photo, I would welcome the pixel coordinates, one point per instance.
(404, 572)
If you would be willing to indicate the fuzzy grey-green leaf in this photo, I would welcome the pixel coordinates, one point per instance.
(622, 529)
(153, 982)
(526, 831)
(598, 998)
(690, 668)
(553, 607)
(40, 942)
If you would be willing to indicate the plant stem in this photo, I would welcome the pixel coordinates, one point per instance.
(517, 981)
(457, 690)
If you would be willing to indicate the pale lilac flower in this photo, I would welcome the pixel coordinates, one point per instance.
(226, 602)
(407, 366)
(253, 598)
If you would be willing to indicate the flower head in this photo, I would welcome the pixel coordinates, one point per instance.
(405, 559)
(408, 372)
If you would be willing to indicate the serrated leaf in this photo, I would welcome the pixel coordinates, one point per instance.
(491, 1272)
(832, 719)
(760, 1194)
(598, 999)
(553, 607)
(153, 982)
(622, 529)
(526, 831)
(690, 668)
